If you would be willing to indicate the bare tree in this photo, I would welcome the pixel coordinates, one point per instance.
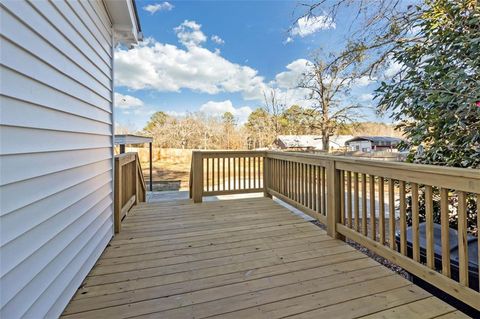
(275, 108)
(328, 84)
(377, 28)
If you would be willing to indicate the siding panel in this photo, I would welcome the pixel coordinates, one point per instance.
(56, 194)
(40, 94)
(25, 63)
(20, 34)
(35, 15)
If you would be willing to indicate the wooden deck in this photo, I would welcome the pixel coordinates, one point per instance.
(243, 258)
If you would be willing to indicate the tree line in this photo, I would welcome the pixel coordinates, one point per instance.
(200, 131)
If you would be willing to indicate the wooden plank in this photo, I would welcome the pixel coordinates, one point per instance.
(381, 217)
(128, 205)
(444, 216)
(342, 198)
(356, 205)
(334, 194)
(197, 187)
(368, 304)
(429, 226)
(415, 223)
(364, 205)
(373, 218)
(478, 241)
(403, 218)
(349, 199)
(239, 258)
(391, 207)
(324, 196)
(420, 174)
(462, 238)
(305, 209)
(425, 308)
(118, 201)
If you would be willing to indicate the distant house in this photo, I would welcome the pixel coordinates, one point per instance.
(373, 143)
(309, 142)
(56, 146)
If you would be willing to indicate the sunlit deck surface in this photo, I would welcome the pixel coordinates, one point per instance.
(242, 258)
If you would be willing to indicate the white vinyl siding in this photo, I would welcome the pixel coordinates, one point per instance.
(56, 194)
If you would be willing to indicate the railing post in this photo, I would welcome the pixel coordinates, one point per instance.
(333, 200)
(266, 176)
(197, 176)
(135, 179)
(117, 206)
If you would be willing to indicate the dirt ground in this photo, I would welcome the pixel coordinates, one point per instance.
(169, 174)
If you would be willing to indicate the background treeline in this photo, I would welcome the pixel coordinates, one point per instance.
(200, 131)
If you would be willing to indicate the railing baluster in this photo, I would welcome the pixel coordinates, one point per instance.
(373, 218)
(403, 219)
(324, 197)
(415, 223)
(462, 238)
(478, 237)
(364, 205)
(391, 212)
(349, 198)
(356, 204)
(381, 209)
(314, 187)
(429, 225)
(445, 232)
(342, 197)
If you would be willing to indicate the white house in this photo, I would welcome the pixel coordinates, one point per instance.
(373, 143)
(310, 142)
(56, 146)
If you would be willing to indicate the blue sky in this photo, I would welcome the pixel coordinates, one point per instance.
(214, 57)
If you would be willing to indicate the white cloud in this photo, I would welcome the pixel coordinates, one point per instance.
(189, 33)
(365, 97)
(392, 69)
(295, 70)
(215, 38)
(309, 25)
(153, 8)
(288, 40)
(219, 108)
(127, 102)
(363, 81)
(165, 67)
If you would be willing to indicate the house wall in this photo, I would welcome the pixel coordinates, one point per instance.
(361, 146)
(55, 151)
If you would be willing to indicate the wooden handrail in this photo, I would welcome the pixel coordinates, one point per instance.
(359, 199)
(129, 186)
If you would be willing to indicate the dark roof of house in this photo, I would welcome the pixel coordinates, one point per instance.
(377, 140)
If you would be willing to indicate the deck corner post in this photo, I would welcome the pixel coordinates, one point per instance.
(197, 176)
(266, 176)
(333, 200)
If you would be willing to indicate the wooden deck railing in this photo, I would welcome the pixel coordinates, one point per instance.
(129, 185)
(366, 201)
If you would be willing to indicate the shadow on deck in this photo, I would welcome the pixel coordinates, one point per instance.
(242, 258)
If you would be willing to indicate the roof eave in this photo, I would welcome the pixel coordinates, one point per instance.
(125, 21)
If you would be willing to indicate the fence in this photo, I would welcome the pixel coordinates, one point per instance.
(361, 199)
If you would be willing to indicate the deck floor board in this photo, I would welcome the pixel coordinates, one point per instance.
(246, 258)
